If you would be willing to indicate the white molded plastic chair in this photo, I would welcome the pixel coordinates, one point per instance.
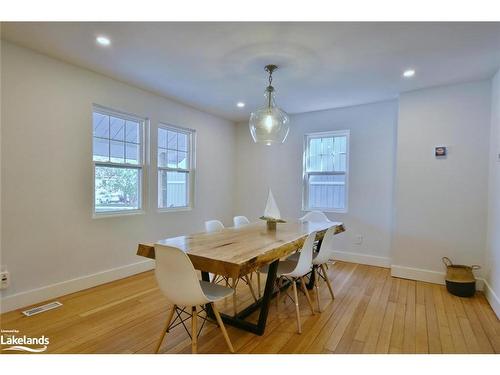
(295, 271)
(320, 259)
(179, 282)
(213, 226)
(240, 221)
(320, 262)
(315, 216)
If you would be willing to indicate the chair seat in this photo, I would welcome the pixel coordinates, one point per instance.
(284, 267)
(215, 292)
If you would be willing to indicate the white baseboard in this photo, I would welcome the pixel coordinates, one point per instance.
(33, 296)
(492, 298)
(428, 276)
(417, 274)
(370, 260)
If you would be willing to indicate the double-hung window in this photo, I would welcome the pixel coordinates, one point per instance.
(326, 165)
(118, 157)
(175, 167)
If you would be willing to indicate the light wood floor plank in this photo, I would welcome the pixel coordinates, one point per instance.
(397, 335)
(433, 333)
(372, 313)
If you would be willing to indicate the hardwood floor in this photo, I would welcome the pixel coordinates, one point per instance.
(372, 313)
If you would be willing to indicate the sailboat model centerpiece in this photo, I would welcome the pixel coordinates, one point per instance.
(272, 213)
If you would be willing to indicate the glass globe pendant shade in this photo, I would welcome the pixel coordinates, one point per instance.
(270, 124)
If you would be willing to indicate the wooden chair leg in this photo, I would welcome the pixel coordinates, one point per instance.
(327, 281)
(316, 285)
(309, 302)
(258, 284)
(250, 286)
(296, 300)
(194, 330)
(169, 320)
(222, 328)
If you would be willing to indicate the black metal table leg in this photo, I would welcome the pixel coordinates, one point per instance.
(312, 275)
(263, 303)
(312, 278)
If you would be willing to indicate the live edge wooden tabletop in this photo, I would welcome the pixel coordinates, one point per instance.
(235, 252)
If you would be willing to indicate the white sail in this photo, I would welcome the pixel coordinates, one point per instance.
(272, 211)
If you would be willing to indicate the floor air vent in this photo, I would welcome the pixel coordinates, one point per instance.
(41, 309)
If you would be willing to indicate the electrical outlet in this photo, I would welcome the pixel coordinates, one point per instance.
(358, 239)
(4, 279)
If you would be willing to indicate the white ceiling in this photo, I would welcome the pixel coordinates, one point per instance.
(212, 66)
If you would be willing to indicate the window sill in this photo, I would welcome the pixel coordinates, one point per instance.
(329, 210)
(174, 209)
(104, 215)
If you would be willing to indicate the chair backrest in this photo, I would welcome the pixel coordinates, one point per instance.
(314, 216)
(326, 249)
(213, 226)
(305, 258)
(240, 220)
(177, 277)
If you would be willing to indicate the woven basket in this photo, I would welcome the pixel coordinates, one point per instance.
(460, 280)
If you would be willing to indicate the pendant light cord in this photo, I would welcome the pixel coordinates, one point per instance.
(270, 69)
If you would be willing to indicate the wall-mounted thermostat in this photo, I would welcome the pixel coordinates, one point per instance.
(440, 151)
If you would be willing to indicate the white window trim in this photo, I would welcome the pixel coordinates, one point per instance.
(305, 174)
(141, 167)
(191, 133)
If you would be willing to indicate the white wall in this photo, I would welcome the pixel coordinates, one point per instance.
(492, 261)
(441, 205)
(48, 234)
(372, 148)
(52, 246)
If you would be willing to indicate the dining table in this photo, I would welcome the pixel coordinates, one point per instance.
(235, 252)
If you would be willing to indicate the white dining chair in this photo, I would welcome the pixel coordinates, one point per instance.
(179, 282)
(315, 217)
(212, 226)
(294, 271)
(321, 259)
(240, 221)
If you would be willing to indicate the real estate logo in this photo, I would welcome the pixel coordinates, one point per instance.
(23, 343)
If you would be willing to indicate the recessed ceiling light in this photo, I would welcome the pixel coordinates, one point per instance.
(409, 73)
(240, 104)
(103, 41)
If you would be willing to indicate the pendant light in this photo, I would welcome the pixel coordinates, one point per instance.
(269, 124)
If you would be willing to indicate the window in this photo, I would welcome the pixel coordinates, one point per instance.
(326, 165)
(175, 167)
(118, 161)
